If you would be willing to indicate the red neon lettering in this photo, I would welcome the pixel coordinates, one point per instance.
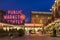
(9, 11)
(15, 16)
(10, 17)
(8, 21)
(15, 12)
(5, 17)
(13, 21)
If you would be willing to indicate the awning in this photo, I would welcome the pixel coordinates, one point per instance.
(31, 24)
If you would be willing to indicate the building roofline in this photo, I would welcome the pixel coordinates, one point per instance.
(36, 12)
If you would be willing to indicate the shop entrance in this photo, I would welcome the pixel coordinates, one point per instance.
(33, 30)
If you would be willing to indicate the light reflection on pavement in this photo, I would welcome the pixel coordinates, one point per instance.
(32, 37)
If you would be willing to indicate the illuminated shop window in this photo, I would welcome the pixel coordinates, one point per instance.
(33, 20)
(49, 17)
(41, 21)
(37, 15)
(4, 28)
(18, 28)
(7, 28)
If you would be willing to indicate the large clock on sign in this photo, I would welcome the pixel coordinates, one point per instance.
(22, 17)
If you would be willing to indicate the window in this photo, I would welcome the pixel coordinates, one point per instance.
(41, 21)
(49, 17)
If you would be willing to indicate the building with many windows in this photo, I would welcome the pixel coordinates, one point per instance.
(56, 9)
(38, 21)
(41, 17)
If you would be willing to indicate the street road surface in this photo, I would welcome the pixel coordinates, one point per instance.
(31, 37)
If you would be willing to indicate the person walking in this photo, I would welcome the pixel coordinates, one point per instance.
(54, 32)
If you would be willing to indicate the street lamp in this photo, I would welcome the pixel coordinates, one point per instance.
(55, 1)
(50, 9)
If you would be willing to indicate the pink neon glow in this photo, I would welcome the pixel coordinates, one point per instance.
(15, 17)
(14, 12)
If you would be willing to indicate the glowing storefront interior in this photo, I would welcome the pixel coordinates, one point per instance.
(35, 28)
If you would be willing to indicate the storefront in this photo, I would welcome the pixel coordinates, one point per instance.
(7, 27)
(54, 26)
(33, 28)
(17, 27)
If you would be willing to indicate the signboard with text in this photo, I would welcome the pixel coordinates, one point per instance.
(15, 17)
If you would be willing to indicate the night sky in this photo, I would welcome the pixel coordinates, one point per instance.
(27, 6)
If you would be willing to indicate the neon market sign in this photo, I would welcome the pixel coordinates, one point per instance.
(15, 17)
